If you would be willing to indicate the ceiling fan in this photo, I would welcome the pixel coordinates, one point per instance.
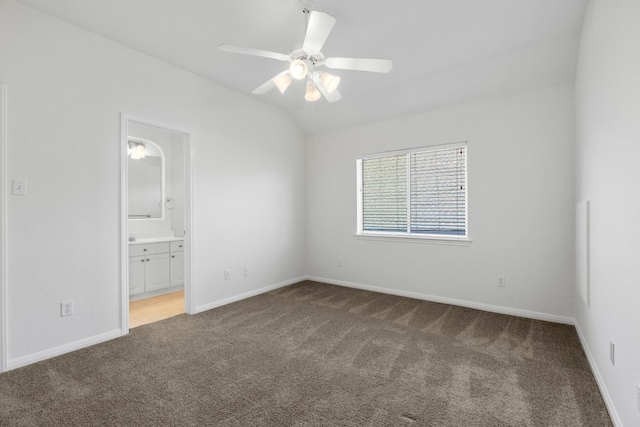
(306, 59)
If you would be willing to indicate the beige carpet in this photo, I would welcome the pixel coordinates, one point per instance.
(317, 355)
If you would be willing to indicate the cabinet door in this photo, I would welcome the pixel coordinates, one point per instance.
(177, 268)
(156, 272)
(136, 274)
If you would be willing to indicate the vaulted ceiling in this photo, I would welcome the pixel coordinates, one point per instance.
(444, 51)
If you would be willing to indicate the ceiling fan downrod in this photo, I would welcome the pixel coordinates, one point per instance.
(306, 6)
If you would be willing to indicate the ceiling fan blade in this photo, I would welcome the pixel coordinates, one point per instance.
(330, 97)
(268, 85)
(318, 29)
(255, 52)
(360, 64)
(264, 88)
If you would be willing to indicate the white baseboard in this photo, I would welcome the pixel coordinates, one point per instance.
(66, 348)
(235, 298)
(76, 345)
(469, 304)
(87, 342)
(615, 418)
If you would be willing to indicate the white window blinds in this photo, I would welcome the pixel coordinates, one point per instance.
(384, 195)
(419, 193)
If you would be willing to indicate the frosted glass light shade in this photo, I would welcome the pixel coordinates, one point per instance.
(330, 81)
(298, 69)
(313, 94)
(282, 82)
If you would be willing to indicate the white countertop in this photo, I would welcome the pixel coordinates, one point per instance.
(144, 240)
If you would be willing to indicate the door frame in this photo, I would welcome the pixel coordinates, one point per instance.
(4, 327)
(189, 293)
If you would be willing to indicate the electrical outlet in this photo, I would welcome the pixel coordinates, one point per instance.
(339, 262)
(501, 281)
(246, 270)
(612, 352)
(19, 187)
(227, 274)
(66, 308)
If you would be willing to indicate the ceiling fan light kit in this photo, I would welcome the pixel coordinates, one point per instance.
(312, 94)
(306, 58)
(298, 69)
(330, 82)
(282, 82)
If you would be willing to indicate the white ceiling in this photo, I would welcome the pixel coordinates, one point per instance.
(444, 51)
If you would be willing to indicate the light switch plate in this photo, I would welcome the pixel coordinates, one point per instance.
(612, 352)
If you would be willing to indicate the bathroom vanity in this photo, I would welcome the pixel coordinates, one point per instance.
(156, 267)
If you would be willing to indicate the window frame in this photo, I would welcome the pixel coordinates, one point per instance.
(460, 240)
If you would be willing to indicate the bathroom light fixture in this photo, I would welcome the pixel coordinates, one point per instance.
(137, 150)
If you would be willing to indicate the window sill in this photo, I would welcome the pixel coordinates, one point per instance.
(434, 240)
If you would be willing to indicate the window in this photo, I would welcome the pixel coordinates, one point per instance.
(418, 193)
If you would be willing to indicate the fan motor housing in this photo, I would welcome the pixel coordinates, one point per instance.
(297, 52)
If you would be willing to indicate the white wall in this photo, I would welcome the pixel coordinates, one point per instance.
(608, 149)
(66, 89)
(520, 183)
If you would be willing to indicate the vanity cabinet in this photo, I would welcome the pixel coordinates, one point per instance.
(177, 263)
(155, 266)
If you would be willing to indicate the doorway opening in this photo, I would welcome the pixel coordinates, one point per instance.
(156, 222)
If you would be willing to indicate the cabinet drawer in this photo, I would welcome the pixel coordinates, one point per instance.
(177, 246)
(149, 249)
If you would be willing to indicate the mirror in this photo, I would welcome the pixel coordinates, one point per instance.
(146, 179)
